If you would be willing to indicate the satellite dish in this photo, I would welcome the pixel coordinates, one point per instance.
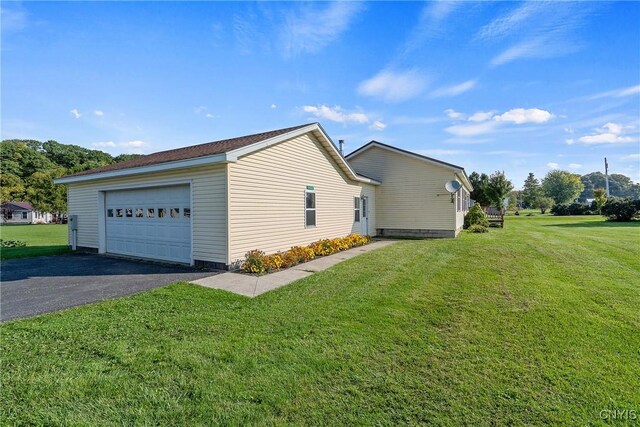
(452, 186)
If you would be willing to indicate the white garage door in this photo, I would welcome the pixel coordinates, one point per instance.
(152, 222)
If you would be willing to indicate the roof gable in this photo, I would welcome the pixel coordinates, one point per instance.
(459, 170)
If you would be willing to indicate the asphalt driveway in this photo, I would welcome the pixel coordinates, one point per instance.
(39, 285)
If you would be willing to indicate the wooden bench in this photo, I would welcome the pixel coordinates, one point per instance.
(495, 216)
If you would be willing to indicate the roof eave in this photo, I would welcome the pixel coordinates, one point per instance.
(159, 167)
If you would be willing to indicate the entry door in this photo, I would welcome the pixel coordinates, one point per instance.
(152, 222)
(365, 215)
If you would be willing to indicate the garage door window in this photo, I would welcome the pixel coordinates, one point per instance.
(175, 212)
(119, 213)
(139, 213)
(110, 213)
(187, 212)
(151, 212)
(128, 212)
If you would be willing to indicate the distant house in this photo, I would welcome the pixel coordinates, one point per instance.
(23, 213)
(209, 204)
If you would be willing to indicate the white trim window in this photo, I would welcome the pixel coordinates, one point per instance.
(356, 209)
(309, 208)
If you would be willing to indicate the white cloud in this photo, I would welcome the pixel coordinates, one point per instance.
(552, 165)
(311, 29)
(99, 113)
(454, 90)
(538, 29)
(574, 165)
(75, 113)
(454, 115)
(521, 115)
(377, 125)
(274, 106)
(394, 86)
(610, 133)
(336, 114)
(129, 147)
(630, 158)
(200, 109)
(617, 93)
(430, 24)
(487, 121)
(209, 116)
(472, 129)
(481, 116)
(570, 141)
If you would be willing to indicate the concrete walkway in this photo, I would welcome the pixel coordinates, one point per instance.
(252, 286)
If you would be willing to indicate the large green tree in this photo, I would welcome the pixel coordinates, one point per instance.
(562, 186)
(498, 189)
(28, 167)
(619, 185)
(530, 191)
(480, 184)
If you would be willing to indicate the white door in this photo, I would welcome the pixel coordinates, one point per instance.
(152, 222)
(365, 215)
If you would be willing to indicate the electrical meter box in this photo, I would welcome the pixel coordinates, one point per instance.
(73, 222)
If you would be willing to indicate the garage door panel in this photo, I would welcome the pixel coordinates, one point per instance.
(150, 230)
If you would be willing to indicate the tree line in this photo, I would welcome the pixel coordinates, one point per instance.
(556, 188)
(28, 168)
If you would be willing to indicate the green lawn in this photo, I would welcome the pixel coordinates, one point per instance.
(41, 239)
(538, 323)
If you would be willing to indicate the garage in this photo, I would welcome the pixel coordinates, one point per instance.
(151, 222)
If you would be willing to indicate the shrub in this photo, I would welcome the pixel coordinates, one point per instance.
(273, 262)
(477, 228)
(254, 262)
(12, 243)
(618, 209)
(475, 216)
(300, 254)
(562, 209)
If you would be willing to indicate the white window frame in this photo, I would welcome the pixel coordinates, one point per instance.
(314, 209)
(357, 209)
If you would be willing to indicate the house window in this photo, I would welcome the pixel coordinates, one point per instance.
(356, 209)
(9, 215)
(459, 201)
(24, 215)
(309, 208)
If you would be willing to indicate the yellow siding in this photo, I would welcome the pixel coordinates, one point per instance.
(266, 197)
(208, 207)
(412, 194)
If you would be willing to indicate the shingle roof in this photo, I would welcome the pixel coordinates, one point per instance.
(194, 151)
(24, 205)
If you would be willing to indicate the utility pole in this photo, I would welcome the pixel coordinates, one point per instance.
(606, 175)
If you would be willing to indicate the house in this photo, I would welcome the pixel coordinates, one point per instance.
(23, 213)
(209, 204)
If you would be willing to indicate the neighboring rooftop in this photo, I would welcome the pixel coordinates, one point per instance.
(191, 152)
(22, 205)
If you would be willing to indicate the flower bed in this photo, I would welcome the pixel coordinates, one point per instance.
(257, 262)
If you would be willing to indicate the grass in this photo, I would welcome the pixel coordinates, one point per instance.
(533, 324)
(41, 239)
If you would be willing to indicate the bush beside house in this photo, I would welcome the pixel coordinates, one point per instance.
(258, 262)
(475, 216)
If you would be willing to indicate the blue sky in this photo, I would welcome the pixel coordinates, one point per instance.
(519, 87)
